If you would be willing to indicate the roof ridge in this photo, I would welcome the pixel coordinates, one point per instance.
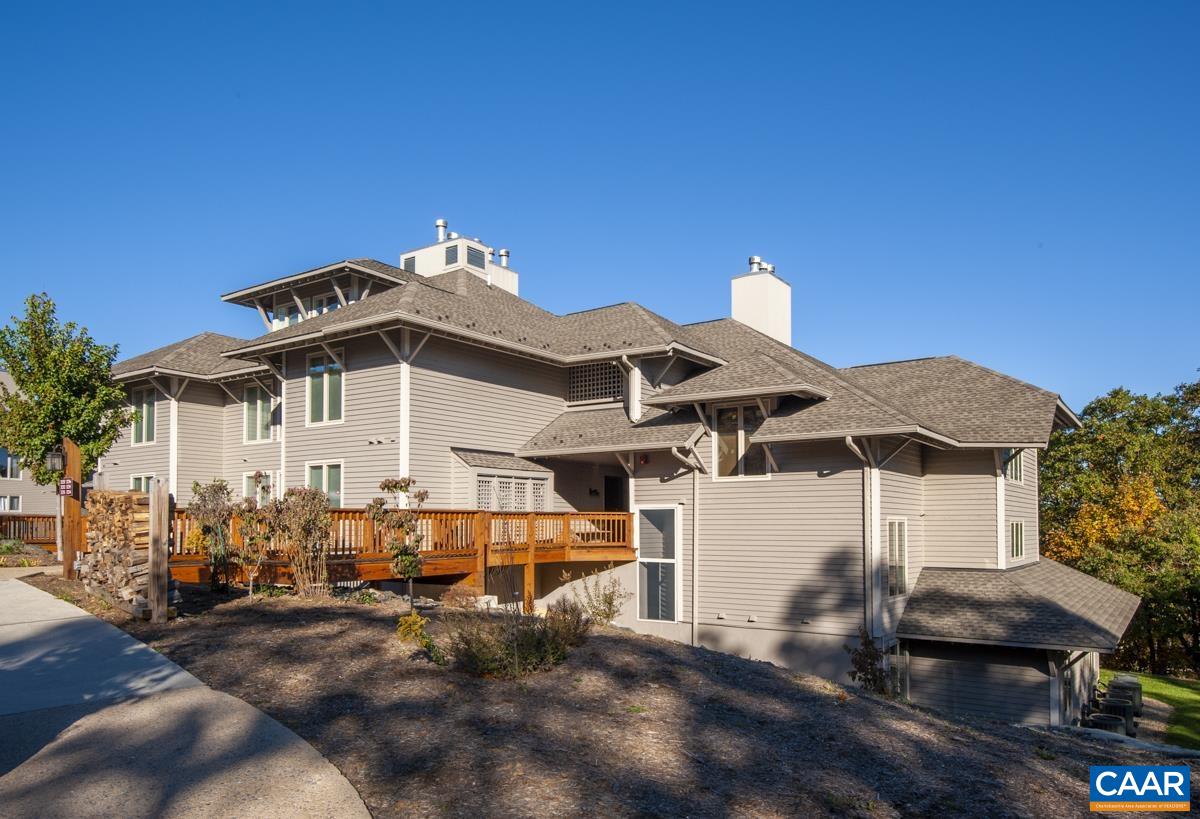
(897, 361)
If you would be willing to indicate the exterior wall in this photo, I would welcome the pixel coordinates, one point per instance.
(240, 456)
(365, 441)
(1008, 684)
(960, 508)
(125, 459)
(469, 397)
(35, 500)
(201, 459)
(902, 495)
(1021, 503)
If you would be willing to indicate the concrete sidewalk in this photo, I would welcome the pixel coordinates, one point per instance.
(94, 722)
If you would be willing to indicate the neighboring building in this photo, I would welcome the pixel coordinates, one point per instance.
(18, 492)
(780, 503)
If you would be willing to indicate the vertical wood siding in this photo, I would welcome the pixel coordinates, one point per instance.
(960, 508)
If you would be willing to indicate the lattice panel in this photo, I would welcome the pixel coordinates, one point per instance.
(595, 382)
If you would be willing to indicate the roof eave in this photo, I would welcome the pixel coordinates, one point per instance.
(802, 390)
(600, 449)
(150, 372)
(248, 293)
(944, 638)
(912, 431)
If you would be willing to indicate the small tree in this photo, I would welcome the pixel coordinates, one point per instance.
(212, 507)
(400, 523)
(301, 524)
(867, 664)
(255, 527)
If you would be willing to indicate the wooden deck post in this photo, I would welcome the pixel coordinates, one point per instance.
(531, 560)
(72, 508)
(368, 536)
(481, 538)
(160, 521)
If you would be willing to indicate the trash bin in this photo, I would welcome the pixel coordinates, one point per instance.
(1107, 722)
(1121, 707)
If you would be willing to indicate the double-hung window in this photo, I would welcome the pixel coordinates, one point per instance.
(736, 456)
(324, 389)
(323, 304)
(1012, 464)
(10, 466)
(897, 557)
(327, 478)
(1016, 530)
(256, 408)
(141, 483)
(658, 568)
(143, 422)
(10, 503)
(260, 490)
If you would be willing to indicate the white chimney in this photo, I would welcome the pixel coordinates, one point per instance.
(441, 226)
(504, 257)
(762, 300)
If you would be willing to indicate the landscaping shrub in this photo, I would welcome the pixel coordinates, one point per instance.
(11, 547)
(400, 525)
(603, 594)
(302, 522)
(867, 664)
(511, 644)
(212, 507)
(411, 627)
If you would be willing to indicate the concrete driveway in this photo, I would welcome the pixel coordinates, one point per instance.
(96, 723)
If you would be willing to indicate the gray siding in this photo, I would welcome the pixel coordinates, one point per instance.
(464, 396)
(240, 457)
(200, 445)
(125, 459)
(366, 440)
(1007, 684)
(960, 508)
(35, 500)
(660, 483)
(1021, 503)
(902, 495)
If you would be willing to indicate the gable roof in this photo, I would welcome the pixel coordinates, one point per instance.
(1039, 605)
(485, 459)
(967, 402)
(758, 375)
(371, 268)
(609, 429)
(197, 356)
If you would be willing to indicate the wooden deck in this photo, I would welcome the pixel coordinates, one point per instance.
(36, 530)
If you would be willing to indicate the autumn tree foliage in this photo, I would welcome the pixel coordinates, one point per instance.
(1121, 501)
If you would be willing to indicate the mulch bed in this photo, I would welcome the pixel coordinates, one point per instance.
(628, 726)
(25, 556)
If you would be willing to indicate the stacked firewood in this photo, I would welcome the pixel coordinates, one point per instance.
(116, 566)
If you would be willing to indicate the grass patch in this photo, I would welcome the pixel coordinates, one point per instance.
(1183, 728)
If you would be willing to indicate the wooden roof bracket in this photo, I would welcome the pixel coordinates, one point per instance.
(268, 390)
(299, 303)
(337, 359)
(895, 452)
(391, 345)
(628, 467)
(338, 291)
(262, 313)
(266, 362)
(703, 418)
(412, 356)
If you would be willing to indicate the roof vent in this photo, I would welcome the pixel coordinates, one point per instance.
(451, 235)
(441, 226)
(504, 257)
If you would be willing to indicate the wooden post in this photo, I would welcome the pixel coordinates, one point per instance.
(160, 520)
(530, 560)
(72, 507)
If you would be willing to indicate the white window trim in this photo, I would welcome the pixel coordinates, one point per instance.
(677, 560)
(887, 539)
(712, 417)
(146, 478)
(1017, 457)
(137, 406)
(8, 499)
(341, 353)
(1012, 541)
(271, 482)
(20, 471)
(270, 414)
(325, 477)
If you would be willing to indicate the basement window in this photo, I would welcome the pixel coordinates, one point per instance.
(141, 483)
(475, 257)
(736, 457)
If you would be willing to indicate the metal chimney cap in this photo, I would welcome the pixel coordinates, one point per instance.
(441, 223)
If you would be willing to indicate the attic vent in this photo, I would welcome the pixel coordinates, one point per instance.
(475, 257)
(595, 382)
(410, 264)
(452, 255)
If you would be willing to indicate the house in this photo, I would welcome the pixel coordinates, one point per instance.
(19, 494)
(777, 503)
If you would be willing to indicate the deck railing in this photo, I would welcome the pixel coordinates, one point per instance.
(32, 529)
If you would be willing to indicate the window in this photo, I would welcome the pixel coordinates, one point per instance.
(141, 483)
(257, 412)
(324, 390)
(897, 558)
(475, 257)
(10, 503)
(143, 423)
(261, 492)
(736, 457)
(452, 255)
(287, 313)
(323, 304)
(1016, 530)
(10, 467)
(327, 478)
(1011, 458)
(658, 572)
(410, 264)
(602, 381)
(510, 493)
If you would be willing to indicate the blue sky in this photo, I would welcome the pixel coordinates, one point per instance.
(1016, 183)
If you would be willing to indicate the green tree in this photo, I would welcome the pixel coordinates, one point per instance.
(63, 388)
(400, 525)
(1121, 500)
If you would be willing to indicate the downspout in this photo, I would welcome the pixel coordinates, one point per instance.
(282, 427)
(679, 456)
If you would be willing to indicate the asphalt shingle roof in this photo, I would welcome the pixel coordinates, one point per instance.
(964, 400)
(609, 428)
(199, 355)
(484, 459)
(1043, 604)
(757, 372)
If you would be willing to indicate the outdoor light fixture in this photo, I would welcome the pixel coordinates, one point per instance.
(55, 462)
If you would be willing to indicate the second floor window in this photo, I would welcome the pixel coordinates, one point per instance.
(10, 467)
(736, 456)
(143, 423)
(1012, 464)
(897, 557)
(1017, 539)
(257, 412)
(324, 390)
